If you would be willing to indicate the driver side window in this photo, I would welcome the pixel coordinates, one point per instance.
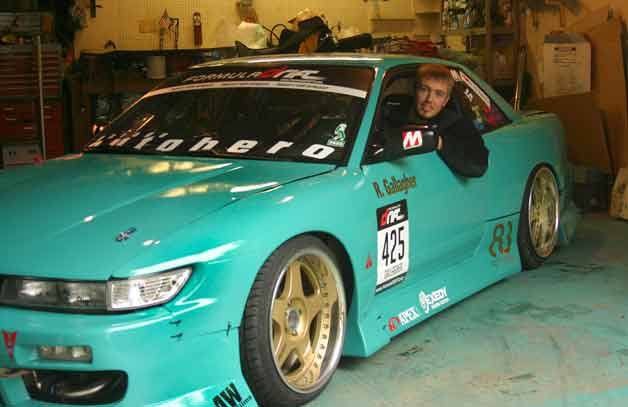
(395, 104)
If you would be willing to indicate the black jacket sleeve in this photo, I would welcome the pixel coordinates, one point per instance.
(463, 149)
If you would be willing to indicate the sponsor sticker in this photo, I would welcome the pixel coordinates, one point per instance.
(433, 300)
(340, 137)
(404, 318)
(393, 245)
(292, 84)
(412, 139)
(10, 338)
(460, 76)
(392, 185)
(350, 81)
(231, 397)
(149, 142)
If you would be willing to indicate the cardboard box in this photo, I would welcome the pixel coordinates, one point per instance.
(584, 129)
(619, 197)
(567, 68)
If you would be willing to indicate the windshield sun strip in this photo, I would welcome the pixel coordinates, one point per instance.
(342, 90)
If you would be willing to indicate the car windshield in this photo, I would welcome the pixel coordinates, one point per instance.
(286, 113)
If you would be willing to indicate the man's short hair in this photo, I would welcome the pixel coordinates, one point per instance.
(435, 72)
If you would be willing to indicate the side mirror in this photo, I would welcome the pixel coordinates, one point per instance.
(411, 139)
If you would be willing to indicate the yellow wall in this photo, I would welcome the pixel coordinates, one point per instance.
(118, 20)
(550, 21)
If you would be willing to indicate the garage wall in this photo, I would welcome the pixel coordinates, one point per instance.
(550, 21)
(119, 20)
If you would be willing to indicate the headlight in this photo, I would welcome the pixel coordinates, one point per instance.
(53, 294)
(146, 291)
(115, 295)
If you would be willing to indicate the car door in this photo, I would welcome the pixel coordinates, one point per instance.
(428, 218)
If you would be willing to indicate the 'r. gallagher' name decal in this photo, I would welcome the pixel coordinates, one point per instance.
(393, 186)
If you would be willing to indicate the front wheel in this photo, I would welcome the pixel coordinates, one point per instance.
(539, 219)
(294, 323)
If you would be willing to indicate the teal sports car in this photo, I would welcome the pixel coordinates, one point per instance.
(238, 229)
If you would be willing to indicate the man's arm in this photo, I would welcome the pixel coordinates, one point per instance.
(462, 148)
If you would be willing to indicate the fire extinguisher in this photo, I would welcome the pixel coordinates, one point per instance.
(198, 29)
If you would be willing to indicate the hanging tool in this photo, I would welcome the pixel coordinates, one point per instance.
(198, 29)
(561, 10)
(92, 8)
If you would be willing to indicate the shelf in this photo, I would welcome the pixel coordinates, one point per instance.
(467, 32)
(392, 19)
(503, 30)
(482, 31)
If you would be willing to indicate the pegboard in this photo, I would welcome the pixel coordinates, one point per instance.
(119, 20)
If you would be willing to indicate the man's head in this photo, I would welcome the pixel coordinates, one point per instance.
(433, 89)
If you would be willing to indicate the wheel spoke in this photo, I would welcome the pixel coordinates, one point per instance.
(283, 350)
(293, 285)
(536, 233)
(279, 312)
(314, 305)
(304, 349)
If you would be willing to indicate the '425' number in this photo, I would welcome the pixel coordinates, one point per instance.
(394, 246)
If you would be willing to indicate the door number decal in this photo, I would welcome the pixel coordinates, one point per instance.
(502, 239)
(393, 245)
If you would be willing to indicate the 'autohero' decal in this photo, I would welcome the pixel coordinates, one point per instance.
(394, 186)
(230, 397)
(10, 338)
(162, 143)
(393, 245)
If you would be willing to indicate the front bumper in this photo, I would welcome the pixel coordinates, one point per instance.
(166, 363)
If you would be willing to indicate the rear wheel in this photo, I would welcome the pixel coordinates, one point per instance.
(294, 323)
(540, 216)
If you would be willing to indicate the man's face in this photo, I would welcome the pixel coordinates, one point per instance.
(431, 97)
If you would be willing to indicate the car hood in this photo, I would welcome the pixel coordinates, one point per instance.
(84, 217)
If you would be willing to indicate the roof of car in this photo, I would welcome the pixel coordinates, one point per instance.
(353, 59)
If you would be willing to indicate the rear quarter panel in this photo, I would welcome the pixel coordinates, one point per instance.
(515, 150)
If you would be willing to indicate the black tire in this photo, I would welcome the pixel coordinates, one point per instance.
(293, 382)
(532, 251)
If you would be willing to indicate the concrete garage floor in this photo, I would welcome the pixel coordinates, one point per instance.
(553, 337)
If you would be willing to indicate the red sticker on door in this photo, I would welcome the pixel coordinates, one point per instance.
(412, 139)
(9, 342)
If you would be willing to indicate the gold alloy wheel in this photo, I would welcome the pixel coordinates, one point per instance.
(307, 321)
(543, 212)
